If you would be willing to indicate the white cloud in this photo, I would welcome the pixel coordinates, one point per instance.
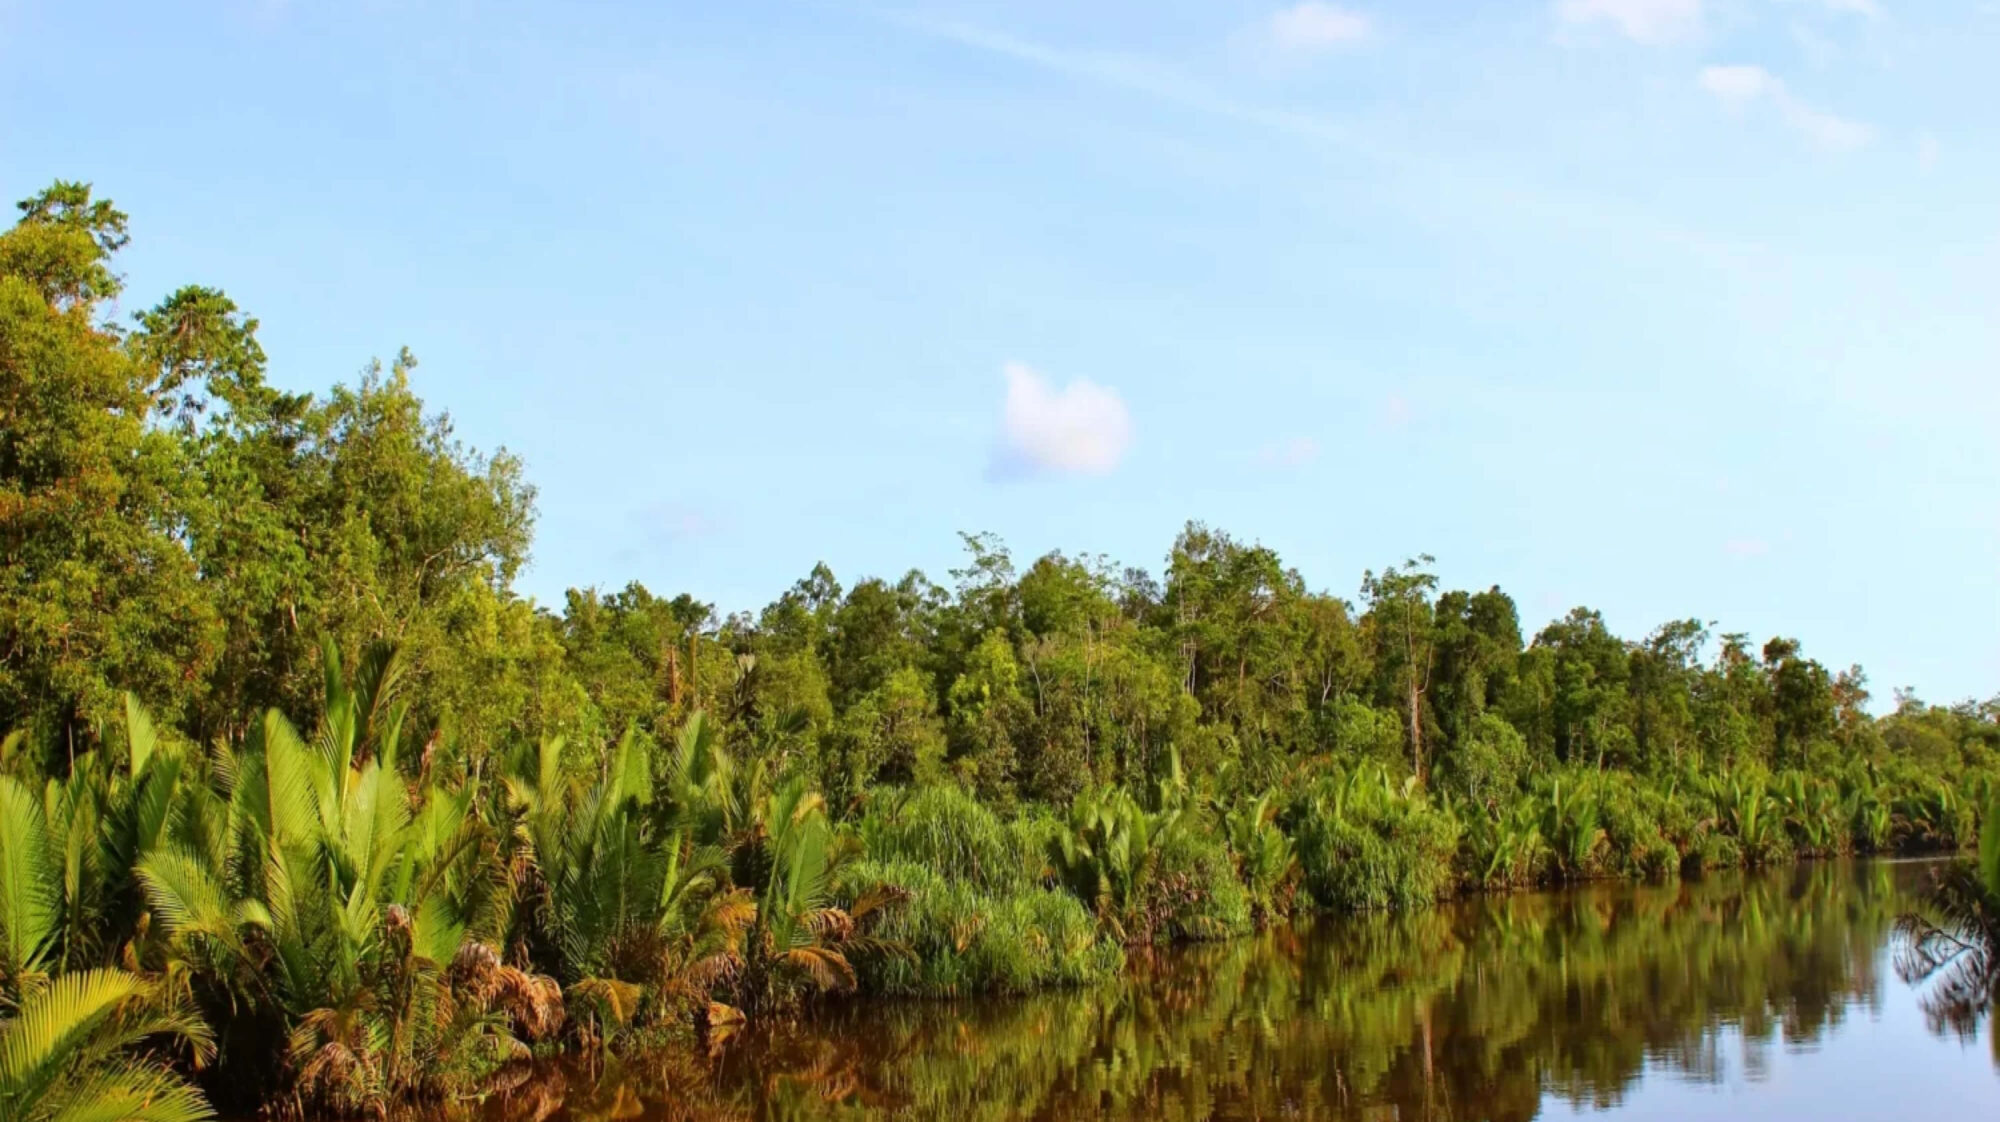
(1818, 49)
(1643, 21)
(1740, 86)
(1825, 129)
(1746, 547)
(1503, 194)
(1294, 453)
(1853, 7)
(1312, 27)
(1081, 428)
(668, 523)
(1927, 151)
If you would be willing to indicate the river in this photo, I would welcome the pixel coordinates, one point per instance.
(1771, 996)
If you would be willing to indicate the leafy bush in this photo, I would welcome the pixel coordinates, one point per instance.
(1364, 844)
(945, 829)
(1635, 840)
(1151, 876)
(949, 937)
(1502, 846)
(1265, 857)
(1195, 893)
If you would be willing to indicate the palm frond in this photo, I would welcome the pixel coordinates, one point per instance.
(63, 1055)
(29, 891)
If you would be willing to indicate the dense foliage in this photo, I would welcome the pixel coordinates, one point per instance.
(512, 827)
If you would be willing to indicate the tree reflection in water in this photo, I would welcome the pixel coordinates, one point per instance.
(1477, 1010)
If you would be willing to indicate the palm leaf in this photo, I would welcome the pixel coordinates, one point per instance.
(60, 1058)
(29, 904)
(139, 733)
(184, 893)
(1989, 851)
(130, 1093)
(289, 814)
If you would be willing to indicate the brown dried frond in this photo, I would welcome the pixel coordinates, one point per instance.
(335, 1067)
(706, 973)
(830, 924)
(731, 913)
(724, 1022)
(533, 1001)
(617, 999)
(473, 958)
(828, 969)
(877, 898)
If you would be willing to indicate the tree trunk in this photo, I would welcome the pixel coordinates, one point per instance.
(1416, 729)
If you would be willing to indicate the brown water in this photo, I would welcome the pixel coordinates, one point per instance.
(1770, 997)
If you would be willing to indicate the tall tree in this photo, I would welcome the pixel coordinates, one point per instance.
(97, 592)
(1401, 614)
(1802, 701)
(1661, 678)
(1478, 643)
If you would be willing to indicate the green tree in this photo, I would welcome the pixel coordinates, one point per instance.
(1802, 701)
(989, 714)
(97, 593)
(1478, 644)
(1661, 678)
(890, 734)
(1402, 621)
(1588, 709)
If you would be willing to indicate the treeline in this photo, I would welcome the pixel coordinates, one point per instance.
(175, 527)
(506, 826)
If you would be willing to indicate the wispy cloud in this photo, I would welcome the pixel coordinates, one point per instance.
(1745, 548)
(1867, 8)
(1082, 428)
(1139, 75)
(1415, 174)
(1818, 49)
(1312, 28)
(1296, 452)
(1642, 21)
(667, 523)
(1927, 151)
(1740, 86)
(676, 521)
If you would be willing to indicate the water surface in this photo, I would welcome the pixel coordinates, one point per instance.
(1770, 997)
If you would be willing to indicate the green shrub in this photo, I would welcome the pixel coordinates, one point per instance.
(1630, 813)
(1501, 846)
(1150, 875)
(1573, 823)
(945, 829)
(1264, 856)
(1364, 845)
(1195, 893)
(949, 937)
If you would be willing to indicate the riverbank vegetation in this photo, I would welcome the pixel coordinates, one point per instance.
(306, 803)
(1952, 943)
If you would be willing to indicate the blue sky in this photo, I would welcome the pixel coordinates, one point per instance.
(1667, 307)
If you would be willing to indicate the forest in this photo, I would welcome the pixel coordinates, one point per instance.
(305, 808)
